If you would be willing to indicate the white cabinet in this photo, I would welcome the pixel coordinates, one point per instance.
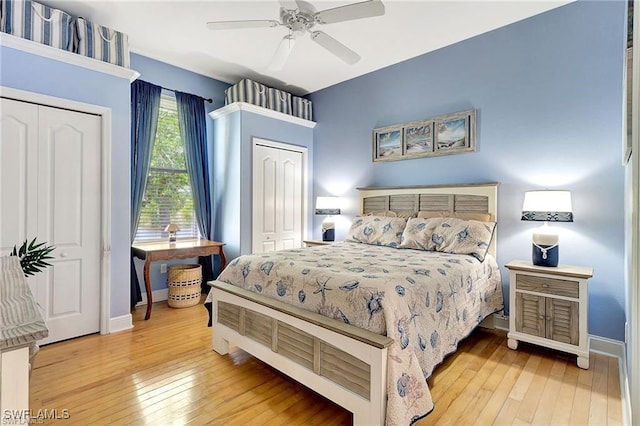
(549, 307)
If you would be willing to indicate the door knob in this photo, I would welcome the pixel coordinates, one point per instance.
(63, 254)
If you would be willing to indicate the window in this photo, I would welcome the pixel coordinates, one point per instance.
(167, 197)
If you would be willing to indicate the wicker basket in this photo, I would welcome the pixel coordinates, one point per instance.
(184, 285)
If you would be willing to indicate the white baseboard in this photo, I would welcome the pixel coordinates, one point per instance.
(615, 348)
(121, 323)
(625, 395)
(158, 296)
(603, 345)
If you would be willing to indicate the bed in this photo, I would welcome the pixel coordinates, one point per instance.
(366, 324)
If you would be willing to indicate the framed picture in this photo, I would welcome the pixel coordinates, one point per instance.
(418, 138)
(455, 133)
(387, 143)
(443, 135)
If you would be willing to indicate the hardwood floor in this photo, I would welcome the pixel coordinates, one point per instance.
(164, 372)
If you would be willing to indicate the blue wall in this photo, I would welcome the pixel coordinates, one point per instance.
(548, 92)
(234, 133)
(34, 73)
(175, 78)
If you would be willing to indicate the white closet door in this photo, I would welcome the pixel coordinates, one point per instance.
(62, 202)
(289, 224)
(277, 199)
(18, 155)
(265, 206)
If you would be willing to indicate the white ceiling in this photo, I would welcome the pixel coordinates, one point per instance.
(174, 32)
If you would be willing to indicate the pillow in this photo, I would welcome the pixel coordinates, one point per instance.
(377, 230)
(417, 234)
(387, 213)
(391, 213)
(482, 217)
(457, 236)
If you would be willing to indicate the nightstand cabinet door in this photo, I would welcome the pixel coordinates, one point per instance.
(530, 314)
(562, 321)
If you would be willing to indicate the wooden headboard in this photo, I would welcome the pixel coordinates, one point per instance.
(463, 198)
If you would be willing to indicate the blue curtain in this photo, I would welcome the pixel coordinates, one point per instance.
(193, 130)
(145, 105)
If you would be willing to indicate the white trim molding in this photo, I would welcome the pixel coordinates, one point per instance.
(121, 323)
(616, 349)
(157, 296)
(244, 106)
(67, 57)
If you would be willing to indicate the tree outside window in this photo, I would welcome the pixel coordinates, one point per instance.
(167, 198)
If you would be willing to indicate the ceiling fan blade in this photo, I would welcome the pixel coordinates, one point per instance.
(335, 47)
(233, 25)
(282, 53)
(365, 9)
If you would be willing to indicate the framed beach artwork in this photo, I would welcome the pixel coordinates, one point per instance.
(443, 135)
(455, 133)
(387, 143)
(418, 138)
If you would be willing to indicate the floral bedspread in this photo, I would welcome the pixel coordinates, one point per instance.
(425, 301)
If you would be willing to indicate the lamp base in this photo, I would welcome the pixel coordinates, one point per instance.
(328, 229)
(329, 234)
(543, 255)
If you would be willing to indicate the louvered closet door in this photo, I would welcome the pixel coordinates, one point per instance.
(530, 316)
(562, 321)
(277, 199)
(50, 169)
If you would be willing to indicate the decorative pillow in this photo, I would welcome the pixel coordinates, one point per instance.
(417, 234)
(482, 217)
(377, 230)
(451, 235)
(391, 213)
(387, 213)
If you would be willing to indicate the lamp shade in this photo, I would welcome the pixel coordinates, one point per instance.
(172, 227)
(547, 206)
(328, 205)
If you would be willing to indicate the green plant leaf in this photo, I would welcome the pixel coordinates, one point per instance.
(33, 256)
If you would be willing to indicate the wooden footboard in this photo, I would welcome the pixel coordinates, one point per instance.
(346, 364)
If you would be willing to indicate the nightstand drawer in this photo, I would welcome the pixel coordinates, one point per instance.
(548, 285)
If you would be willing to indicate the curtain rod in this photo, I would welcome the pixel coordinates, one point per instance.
(171, 90)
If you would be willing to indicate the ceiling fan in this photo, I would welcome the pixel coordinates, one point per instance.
(300, 17)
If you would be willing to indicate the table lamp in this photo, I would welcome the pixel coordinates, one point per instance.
(328, 206)
(172, 229)
(546, 206)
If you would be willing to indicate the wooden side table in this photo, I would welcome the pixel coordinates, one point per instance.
(168, 251)
(313, 243)
(549, 307)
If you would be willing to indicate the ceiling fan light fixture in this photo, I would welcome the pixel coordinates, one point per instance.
(300, 16)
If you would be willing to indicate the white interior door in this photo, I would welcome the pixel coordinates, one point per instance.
(277, 198)
(289, 224)
(60, 168)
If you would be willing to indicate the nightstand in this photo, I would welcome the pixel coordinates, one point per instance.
(549, 307)
(313, 243)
